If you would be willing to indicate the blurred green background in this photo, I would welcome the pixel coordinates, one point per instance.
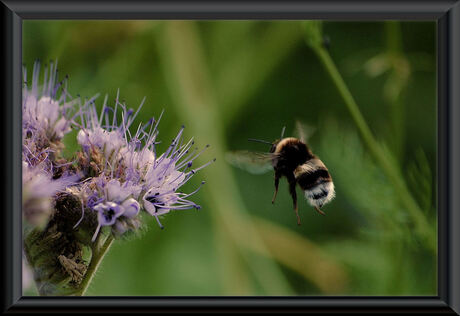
(230, 80)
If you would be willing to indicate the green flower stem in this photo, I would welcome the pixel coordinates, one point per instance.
(381, 156)
(98, 255)
(393, 88)
(393, 36)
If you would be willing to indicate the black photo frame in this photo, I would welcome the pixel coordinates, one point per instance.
(445, 12)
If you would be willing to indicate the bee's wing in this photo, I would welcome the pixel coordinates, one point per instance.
(253, 162)
(303, 131)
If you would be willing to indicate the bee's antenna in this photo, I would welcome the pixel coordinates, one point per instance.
(282, 132)
(259, 141)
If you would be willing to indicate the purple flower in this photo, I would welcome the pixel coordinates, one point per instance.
(44, 108)
(109, 142)
(168, 173)
(131, 208)
(122, 172)
(118, 192)
(133, 176)
(108, 212)
(114, 179)
(44, 124)
(114, 202)
(38, 189)
(103, 131)
(120, 216)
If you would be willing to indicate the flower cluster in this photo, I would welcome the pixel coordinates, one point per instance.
(116, 174)
(44, 124)
(44, 108)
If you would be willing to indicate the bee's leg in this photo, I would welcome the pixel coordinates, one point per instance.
(292, 184)
(277, 181)
(319, 211)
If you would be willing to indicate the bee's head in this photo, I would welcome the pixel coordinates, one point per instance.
(274, 145)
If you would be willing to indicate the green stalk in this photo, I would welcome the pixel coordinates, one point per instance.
(383, 158)
(396, 83)
(393, 88)
(98, 255)
(393, 36)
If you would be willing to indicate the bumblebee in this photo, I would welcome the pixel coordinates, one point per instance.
(291, 157)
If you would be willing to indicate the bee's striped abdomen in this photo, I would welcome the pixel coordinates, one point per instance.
(316, 181)
(308, 180)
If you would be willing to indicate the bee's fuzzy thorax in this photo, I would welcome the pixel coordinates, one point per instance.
(289, 153)
(288, 141)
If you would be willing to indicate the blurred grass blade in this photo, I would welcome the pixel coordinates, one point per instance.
(192, 93)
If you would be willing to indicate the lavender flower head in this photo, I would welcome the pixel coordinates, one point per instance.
(75, 206)
(44, 108)
(44, 125)
(118, 207)
(120, 173)
(131, 177)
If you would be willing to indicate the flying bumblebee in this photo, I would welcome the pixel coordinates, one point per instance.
(292, 158)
